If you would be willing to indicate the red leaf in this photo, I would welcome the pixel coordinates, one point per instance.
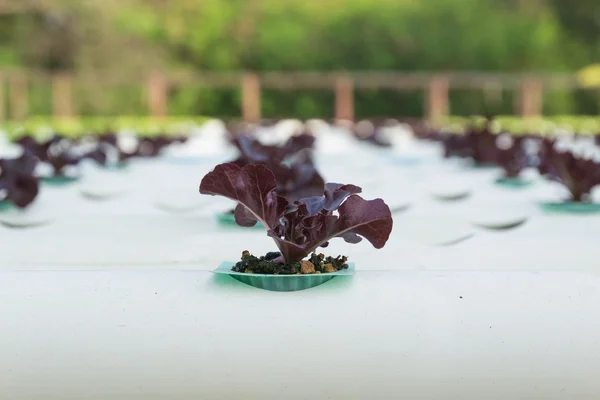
(300, 232)
(251, 186)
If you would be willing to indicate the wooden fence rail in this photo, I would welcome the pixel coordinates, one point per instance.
(528, 88)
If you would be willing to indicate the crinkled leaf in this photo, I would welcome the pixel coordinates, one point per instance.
(252, 186)
(357, 217)
(335, 194)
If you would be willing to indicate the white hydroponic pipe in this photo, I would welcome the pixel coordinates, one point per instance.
(379, 335)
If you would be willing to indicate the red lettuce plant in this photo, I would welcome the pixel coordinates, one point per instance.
(312, 222)
(291, 163)
(17, 179)
(478, 143)
(511, 155)
(579, 175)
(483, 144)
(456, 145)
(153, 146)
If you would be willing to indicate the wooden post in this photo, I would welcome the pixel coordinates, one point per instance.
(251, 108)
(157, 95)
(528, 100)
(62, 94)
(19, 99)
(344, 98)
(436, 105)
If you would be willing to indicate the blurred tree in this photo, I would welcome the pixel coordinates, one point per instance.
(582, 19)
(131, 37)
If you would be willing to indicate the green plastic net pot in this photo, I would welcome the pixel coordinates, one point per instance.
(570, 207)
(120, 166)
(5, 205)
(59, 180)
(282, 283)
(513, 182)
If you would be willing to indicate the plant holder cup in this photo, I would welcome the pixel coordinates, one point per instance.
(515, 183)
(228, 219)
(6, 205)
(119, 166)
(570, 207)
(59, 180)
(282, 283)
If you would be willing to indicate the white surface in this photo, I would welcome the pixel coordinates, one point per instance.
(380, 335)
(102, 189)
(114, 299)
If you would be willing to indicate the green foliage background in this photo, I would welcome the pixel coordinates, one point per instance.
(317, 35)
